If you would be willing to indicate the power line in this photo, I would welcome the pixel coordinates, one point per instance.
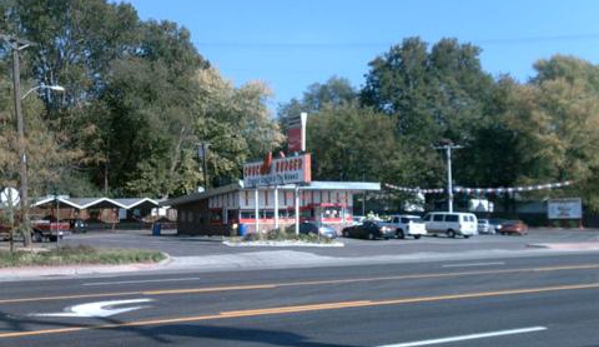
(356, 45)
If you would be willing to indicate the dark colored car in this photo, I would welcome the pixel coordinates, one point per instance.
(77, 225)
(495, 225)
(514, 227)
(369, 230)
(322, 230)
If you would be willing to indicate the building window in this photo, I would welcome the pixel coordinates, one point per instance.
(248, 215)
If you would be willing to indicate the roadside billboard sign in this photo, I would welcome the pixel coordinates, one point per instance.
(279, 171)
(564, 208)
(296, 133)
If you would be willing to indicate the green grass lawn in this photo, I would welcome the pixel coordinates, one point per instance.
(67, 255)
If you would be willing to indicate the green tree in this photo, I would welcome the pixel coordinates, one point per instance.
(235, 121)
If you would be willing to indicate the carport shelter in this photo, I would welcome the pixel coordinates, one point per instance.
(103, 209)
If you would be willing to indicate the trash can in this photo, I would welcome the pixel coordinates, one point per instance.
(243, 229)
(156, 229)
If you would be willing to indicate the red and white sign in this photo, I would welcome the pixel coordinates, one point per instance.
(296, 133)
(278, 171)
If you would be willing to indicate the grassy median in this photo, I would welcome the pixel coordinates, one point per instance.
(79, 255)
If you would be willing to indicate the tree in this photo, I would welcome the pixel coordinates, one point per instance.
(559, 128)
(235, 121)
(336, 92)
(431, 95)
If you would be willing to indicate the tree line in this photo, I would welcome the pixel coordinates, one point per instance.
(139, 97)
(417, 95)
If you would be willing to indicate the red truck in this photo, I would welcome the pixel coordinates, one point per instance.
(48, 229)
(41, 230)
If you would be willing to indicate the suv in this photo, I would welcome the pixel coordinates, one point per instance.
(406, 225)
(451, 224)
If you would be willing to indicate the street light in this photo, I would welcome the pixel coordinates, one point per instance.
(18, 45)
(56, 88)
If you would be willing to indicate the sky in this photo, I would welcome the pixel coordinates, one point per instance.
(291, 44)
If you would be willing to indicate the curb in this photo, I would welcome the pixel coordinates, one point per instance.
(286, 244)
(65, 271)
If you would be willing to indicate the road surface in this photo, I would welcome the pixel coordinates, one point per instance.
(538, 301)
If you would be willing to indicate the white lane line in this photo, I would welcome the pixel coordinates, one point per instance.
(474, 264)
(142, 281)
(467, 337)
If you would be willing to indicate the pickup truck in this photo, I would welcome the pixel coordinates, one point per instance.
(4, 232)
(48, 230)
(406, 225)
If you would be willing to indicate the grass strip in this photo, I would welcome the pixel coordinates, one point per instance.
(78, 255)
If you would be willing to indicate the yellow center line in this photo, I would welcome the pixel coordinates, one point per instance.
(301, 283)
(300, 309)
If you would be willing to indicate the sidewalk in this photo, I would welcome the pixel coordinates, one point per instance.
(578, 246)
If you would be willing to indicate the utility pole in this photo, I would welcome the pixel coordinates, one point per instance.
(448, 149)
(203, 153)
(17, 45)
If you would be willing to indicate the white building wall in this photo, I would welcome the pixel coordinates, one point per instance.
(245, 199)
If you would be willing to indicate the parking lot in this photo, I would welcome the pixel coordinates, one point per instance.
(175, 245)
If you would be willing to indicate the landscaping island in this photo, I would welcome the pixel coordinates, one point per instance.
(79, 255)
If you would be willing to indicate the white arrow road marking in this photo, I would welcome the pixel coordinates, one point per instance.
(467, 337)
(97, 309)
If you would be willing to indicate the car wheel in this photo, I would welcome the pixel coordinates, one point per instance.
(37, 237)
(466, 236)
(370, 236)
(417, 237)
(400, 234)
(451, 234)
(345, 233)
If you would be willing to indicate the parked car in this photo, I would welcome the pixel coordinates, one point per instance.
(495, 224)
(322, 230)
(406, 225)
(76, 225)
(514, 227)
(368, 230)
(451, 224)
(357, 220)
(484, 227)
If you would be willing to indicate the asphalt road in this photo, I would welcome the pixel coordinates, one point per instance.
(539, 301)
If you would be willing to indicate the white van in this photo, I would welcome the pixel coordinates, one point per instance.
(451, 224)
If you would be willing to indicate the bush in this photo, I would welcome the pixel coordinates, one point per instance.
(286, 234)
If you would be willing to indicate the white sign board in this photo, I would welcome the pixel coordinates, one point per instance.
(479, 205)
(564, 208)
(278, 171)
(9, 196)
